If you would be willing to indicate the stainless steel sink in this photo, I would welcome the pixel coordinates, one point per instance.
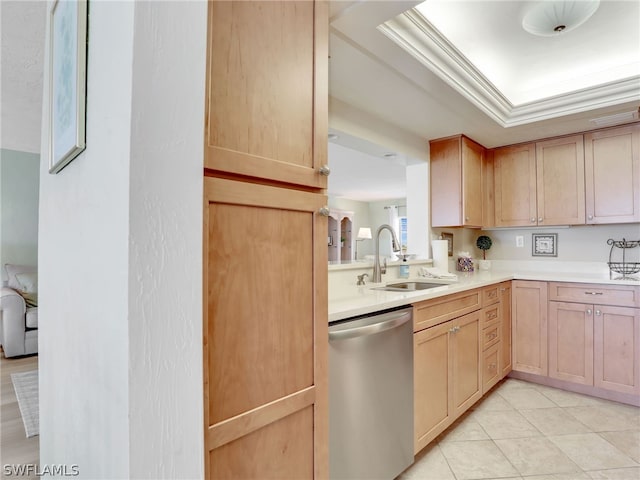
(409, 286)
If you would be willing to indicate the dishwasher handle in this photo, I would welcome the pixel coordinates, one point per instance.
(387, 321)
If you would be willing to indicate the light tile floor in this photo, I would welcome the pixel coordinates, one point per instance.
(521, 430)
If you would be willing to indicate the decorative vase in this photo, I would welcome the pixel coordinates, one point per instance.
(484, 264)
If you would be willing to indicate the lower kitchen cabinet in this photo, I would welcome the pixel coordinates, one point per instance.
(447, 375)
(616, 349)
(571, 342)
(505, 319)
(529, 324)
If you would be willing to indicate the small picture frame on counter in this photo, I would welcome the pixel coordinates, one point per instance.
(544, 244)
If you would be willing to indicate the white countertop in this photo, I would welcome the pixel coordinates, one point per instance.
(355, 300)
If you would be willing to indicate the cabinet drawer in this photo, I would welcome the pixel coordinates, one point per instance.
(490, 315)
(490, 295)
(490, 336)
(490, 368)
(432, 312)
(593, 293)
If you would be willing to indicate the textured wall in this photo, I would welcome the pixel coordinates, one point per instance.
(84, 269)
(19, 185)
(121, 252)
(165, 241)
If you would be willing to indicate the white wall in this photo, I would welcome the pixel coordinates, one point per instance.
(121, 252)
(19, 185)
(418, 209)
(587, 243)
(165, 241)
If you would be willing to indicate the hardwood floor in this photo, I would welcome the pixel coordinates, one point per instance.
(15, 447)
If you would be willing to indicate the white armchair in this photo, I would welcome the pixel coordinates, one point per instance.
(18, 321)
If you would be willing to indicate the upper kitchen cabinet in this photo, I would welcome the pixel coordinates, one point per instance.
(266, 108)
(515, 185)
(456, 182)
(560, 181)
(540, 184)
(612, 168)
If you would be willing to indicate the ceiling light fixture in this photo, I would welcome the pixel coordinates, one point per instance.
(550, 18)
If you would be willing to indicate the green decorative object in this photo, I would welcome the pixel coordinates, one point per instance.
(484, 243)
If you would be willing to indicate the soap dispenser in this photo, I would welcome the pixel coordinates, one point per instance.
(404, 267)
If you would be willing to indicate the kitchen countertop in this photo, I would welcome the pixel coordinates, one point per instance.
(360, 300)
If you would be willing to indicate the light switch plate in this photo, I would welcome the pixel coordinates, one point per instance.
(519, 241)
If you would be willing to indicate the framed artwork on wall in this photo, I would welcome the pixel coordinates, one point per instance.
(449, 238)
(67, 81)
(545, 244)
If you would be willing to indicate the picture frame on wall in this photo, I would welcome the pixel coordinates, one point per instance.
(67, 82)
(449, 238)
(544, 244)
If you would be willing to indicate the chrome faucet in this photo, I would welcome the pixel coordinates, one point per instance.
(395, 245)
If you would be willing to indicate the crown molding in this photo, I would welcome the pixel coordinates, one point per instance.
(416, 35)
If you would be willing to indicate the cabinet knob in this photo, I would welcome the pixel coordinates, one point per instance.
(598, 312)
(533, 220)
(590, 217)
(466, 219)
(589, 311)
(539, 219)
(324, 211)
(324, 170)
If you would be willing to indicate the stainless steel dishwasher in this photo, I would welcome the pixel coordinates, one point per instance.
(371, 396)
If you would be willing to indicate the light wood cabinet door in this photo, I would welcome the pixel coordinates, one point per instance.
(617, 349)
(456, 182)
(505, 318)
(267, 90)
(529, 326)
(466, 366)
(612, 170)
(433, 388)
(571, 342)
(515, 185)
(265, 332)
(560, 181)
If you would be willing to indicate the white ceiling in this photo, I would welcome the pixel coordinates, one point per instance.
(22, 26)
(490, 79)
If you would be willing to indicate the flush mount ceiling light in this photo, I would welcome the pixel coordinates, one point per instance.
(549, 18)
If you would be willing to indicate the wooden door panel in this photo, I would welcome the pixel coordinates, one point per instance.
(472, 158)
(265, 319)
(267, 90)
(612, 171)
(529, 326)
(282, 449)
(505, 341)
(432, 385)
(617, 348)
(560, 181)
(466, 364)
(571, 342)
(515, 185)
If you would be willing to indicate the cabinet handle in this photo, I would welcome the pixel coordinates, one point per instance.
(533, 220)
(466, 219)
(454, 329)
(539, 219)
(589, 311)
(324, 211)
(324, 170)
(590, 217)
(593, 293)
(598, 312)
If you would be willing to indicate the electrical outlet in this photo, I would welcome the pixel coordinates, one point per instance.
(519, 241)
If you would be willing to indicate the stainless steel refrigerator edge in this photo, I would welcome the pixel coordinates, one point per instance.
(371, 396)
